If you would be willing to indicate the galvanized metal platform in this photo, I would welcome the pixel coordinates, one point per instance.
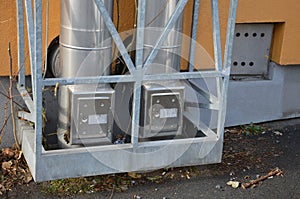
(134, 156)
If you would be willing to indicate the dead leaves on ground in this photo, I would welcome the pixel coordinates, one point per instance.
(114, 182)
(14, 170)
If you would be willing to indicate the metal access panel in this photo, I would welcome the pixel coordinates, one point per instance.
(162, 109)
(91, 115)
(251, 49)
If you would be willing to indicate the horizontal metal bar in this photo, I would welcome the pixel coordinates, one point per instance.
(163, 47)
(26, 97)
(88, 80)
(183, 75)
(202, 105)
(130, 78)
(162, 143)
(210, 97)
(27, 116)
(141, 145)
(91, 149)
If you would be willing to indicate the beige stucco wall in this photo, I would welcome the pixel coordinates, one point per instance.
(286, 42)
(8, 33)
(285, 15)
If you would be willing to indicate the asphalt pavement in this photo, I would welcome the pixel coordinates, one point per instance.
(284, 136)
(286, 186)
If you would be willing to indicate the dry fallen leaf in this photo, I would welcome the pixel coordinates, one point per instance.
(233, 184)
(6, 165)
(124, 188)
(28, 177)
(278, 133)
(14, 170)
(134, 175)
(154, 178)
(8, 152)
(188, 177)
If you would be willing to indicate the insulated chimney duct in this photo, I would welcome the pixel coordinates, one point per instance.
(85, 47)
(162, 101)
(86, 111)
(158, 12)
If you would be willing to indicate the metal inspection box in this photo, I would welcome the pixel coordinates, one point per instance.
(251, 49)
(162, 109)
(91, 115)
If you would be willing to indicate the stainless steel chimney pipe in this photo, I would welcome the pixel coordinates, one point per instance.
(85, 47)
(157, 15)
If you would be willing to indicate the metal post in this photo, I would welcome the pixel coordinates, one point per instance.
(216, 35)
(230, 36)
(138, 74)
(227, 65)
(30, 35)
(194, 35)
(136, 112)
(218, 60)
(21, 57)
(46, 38)
(140, 29)
(21, 60)
(37, 95)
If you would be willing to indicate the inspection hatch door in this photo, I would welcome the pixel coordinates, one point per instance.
(251, 49)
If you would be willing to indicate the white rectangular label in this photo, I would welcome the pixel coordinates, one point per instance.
(98, 119)
(168, 113)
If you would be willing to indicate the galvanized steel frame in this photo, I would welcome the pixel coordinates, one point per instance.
(40, 161)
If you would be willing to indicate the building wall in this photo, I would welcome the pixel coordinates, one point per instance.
(285, 15)
(248, 101)
(285, 45)
(8, 33)
(8, 29)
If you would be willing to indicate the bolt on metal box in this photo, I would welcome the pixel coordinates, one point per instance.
(91, 114)
(162, 109)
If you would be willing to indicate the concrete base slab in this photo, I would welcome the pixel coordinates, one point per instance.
(265, 100)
